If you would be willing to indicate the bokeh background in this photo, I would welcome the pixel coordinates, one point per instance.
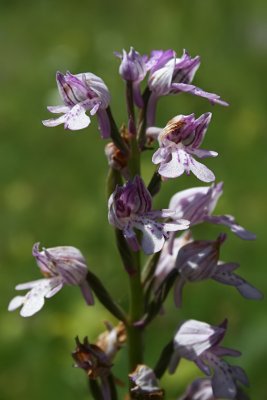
(53, 182)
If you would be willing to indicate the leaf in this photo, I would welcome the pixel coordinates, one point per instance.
(105, 298)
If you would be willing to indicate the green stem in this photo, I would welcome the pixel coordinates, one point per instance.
(141, 130)
(115, 134)
(95, 389)
(136, 309)
(130, 108)
(134, 159)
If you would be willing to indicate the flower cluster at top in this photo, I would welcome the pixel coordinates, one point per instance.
(175, 260)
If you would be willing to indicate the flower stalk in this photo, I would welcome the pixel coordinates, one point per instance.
(136, 297)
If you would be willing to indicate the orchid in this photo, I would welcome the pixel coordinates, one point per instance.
(179, 141)
(81, 93)
(171, 75)
(199, 260)
(61, 266)
(201, 389)
(140, 227)
(197, 205)
(130, 207)
(166, 262)
(199, 342)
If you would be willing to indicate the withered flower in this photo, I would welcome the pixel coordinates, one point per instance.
(92, 359)
(112, 340)
(145, 384)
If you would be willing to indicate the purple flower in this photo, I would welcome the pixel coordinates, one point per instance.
(130, 207)
(81, 93)
(133, 68)
(166, 262)
(199, 260)
(224, 274)
(179, 141)
(64, 265)
(197, 204)
(201, 389)
(166, 69)
(172, 75)
(199, 342)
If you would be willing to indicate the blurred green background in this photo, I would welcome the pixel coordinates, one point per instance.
(53, 182)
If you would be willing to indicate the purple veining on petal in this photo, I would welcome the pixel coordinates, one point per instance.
(130, 208)
(229, 220)
(224, 274)
(199, 342)
(62, 265)
(81, 93)
(169, 74)
(186, 88)
(181, 138)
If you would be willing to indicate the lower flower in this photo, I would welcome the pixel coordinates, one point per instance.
(64, 265)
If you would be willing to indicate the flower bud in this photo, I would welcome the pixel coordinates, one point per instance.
(133, 66)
